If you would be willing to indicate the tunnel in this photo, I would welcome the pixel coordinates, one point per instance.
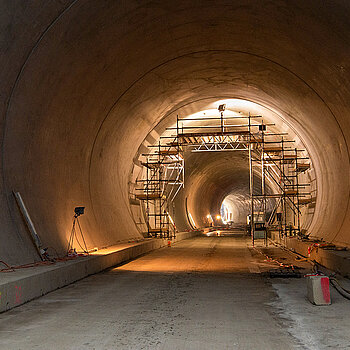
(88, 86)
(88, 83)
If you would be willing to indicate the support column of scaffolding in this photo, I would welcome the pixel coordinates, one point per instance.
(251, 182)
(262, 129)
(163, 179)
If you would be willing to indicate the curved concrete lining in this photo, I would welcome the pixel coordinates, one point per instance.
(84, 82)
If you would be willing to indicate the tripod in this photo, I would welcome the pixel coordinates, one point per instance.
(74, 235)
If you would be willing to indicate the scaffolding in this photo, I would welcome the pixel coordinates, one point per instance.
(163, 179)
(281, 165)
(269, 153)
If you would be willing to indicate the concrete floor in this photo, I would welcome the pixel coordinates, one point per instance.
(202, 293)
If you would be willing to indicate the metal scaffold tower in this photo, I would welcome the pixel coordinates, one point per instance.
(281, 165)
(163, 178)
(270, 154)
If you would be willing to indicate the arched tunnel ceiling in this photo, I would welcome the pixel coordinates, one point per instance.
(86, 81)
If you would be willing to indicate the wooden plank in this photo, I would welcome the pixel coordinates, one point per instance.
(291, 192)
(150, 196)
(290, 156)
(305, 201)
(303, 167)
(168, 152)
(272, 149)
(158, 230)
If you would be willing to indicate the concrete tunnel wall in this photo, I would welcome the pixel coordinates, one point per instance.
(84, 82)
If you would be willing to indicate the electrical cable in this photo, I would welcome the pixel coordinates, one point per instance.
(341, 290)
(8, 267)
(270, 259)
(299, 257)
(51, 261)
(24, 266)
(335, 283)
(57, 255)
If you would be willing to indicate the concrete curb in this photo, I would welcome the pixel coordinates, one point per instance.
(22, 286)
(338, 261)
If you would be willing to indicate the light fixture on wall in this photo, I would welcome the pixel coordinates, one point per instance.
(78, 211)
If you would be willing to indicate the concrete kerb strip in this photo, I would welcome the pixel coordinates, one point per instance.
(19, 288)
(338, 261)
